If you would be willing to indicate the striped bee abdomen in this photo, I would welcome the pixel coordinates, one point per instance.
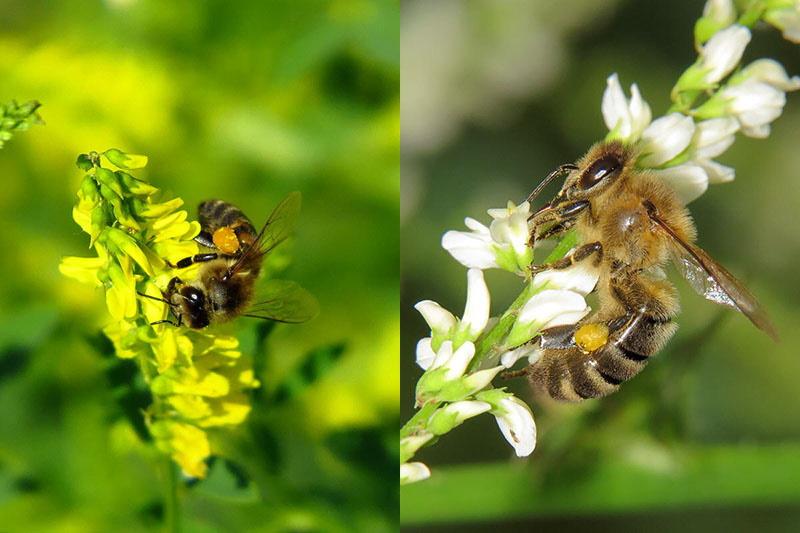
(215, 214)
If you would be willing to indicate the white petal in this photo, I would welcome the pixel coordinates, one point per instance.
(788, 20)
(438, 318)
(639, 112)
(580, 277)
(466, 409)
(688, 180)
(717, 173)
(510, 226)
(412, 472)
(546, 306)
(759, 117)
(480, 379)
(476, 311)
(457, 364)
(723, 52)
(756, 132)
(510, 358)
(712, 137)
(753, 95)
(771, 72)
(443, 355)
(469, 249)
(517, 425)
(665, 138)
(615, 107)
(476, 226)
(425, 353)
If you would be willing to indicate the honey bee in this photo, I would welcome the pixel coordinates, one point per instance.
(224, 286)
(629, 224)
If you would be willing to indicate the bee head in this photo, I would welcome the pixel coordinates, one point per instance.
(597, 171)
(193, 307)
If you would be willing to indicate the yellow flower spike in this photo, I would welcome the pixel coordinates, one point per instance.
(197, 379)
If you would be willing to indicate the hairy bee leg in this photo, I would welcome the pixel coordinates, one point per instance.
(565, 214)
(167, 321)
(553, 231)
(575, 257)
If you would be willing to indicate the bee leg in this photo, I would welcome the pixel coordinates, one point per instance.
(564, 214)
(199, 258)
(167, 321)
(575, 257)
(204, 238)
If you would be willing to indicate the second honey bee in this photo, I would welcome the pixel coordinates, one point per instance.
(629, 224)
(225, 285)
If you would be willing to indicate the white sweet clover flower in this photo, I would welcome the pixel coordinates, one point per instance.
(504, 244)
(413, 472)
(514, 418)
(785, 15)
(626, 119)
(717, 58)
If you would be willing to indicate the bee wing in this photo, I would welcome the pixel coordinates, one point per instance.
(284, 301)
(276, 229)
(712, 281)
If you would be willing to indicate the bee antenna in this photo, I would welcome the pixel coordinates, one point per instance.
(155, 298)
(550, 177)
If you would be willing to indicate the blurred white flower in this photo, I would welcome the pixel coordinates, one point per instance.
(755, 105)
(545, 309)
(413, 472)
(516, 423)
(721, 12)
(626, 119)
(716, 172)
(665, 138)
(504, 244)
(722, 53)
(712, 137)
(787, 19)
(768, 71)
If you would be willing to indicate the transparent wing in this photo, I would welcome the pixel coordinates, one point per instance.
(284, 301)
(712, 281)
(276, 229)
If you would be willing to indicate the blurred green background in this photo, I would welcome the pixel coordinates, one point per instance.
(708, 437)
(243, 101)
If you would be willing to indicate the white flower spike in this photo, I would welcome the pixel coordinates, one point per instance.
(755, 105)
(626, 120)
(545, 309)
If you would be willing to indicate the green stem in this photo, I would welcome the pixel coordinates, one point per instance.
(171, 502)
(418, 421)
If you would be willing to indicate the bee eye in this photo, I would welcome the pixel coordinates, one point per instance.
(599, 170)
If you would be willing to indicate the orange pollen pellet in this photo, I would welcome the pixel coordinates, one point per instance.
(591, 337)
(225, 240)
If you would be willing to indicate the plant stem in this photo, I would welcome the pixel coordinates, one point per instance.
(171, 502)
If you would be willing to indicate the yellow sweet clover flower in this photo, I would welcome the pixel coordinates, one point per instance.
(198, 380)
